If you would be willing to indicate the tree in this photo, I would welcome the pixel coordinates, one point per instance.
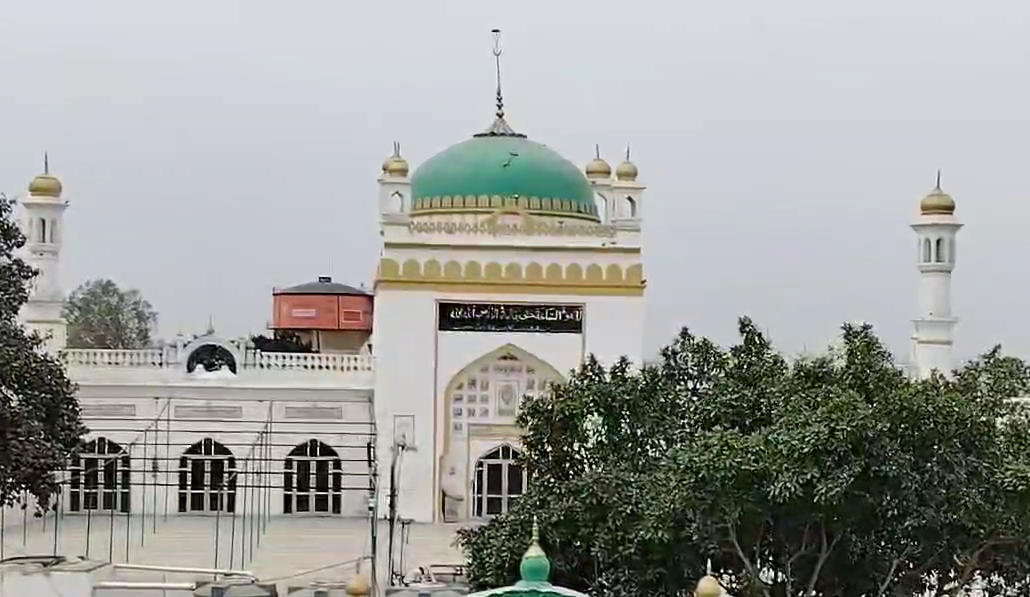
(101, 315)
(281, 341)
(40, 423)
(827, 476)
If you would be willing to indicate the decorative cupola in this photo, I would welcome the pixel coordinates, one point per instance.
(598, 168)
(395, 166)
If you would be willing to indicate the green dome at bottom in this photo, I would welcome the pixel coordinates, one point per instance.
(489, 171)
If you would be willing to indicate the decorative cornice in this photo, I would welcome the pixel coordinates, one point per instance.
(511, 278)
(487, 203)
(479, 248)
(529, 225)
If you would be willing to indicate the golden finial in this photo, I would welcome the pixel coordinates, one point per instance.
(627, 170)
(395, 165)
(46, 184)
(708, 586)
(598, 168)
(937, 203)
(536, 531)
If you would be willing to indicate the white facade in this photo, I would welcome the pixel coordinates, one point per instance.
(453, 395)
(936, 230)
(223, 468)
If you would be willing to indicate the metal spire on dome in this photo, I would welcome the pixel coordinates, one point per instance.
(500, 127)
(497, 59)
(938, 187)
(46, 162)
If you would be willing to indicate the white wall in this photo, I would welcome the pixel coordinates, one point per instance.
(415, 363)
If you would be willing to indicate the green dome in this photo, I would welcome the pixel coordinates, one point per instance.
(535, 566)
(493, 170)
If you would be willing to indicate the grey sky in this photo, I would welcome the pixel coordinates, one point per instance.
(213, 149)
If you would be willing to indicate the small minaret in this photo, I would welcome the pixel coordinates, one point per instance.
(599, 173)
(627, 195)
(934, 326)
(394, 187)
(43, 226)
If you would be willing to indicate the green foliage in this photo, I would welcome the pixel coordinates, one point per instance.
(832, 476)
(102, 315)
(39, 416)
(281, 341)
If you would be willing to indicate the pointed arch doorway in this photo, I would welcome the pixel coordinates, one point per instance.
(483, 399)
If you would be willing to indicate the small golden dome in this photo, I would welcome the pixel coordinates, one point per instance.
(358, 585)
(45, 185)
(395, 165)
(708, 587)
(937, 203)
(598, 168)
(626, 171)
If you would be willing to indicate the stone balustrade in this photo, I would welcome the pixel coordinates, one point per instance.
(252, 359)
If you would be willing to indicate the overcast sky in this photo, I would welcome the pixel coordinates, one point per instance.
(213, 149)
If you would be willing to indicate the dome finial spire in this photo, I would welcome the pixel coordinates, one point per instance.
(597, 151)
(499, 128)
(497, 59)
(627, 152)
(46, 162)
(938, 187)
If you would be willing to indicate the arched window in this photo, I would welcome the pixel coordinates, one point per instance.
(42, 230)
(312, 479)
(631, 207)
(53, 231)
(498, 483)
(101, 477)
(207, 478)
(951, 251)
(396, 202)
(927, 251)
(211, 357)
(938, 250)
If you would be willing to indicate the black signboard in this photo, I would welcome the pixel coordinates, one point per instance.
(518, 317)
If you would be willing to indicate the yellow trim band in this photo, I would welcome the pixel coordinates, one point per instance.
(511, 278)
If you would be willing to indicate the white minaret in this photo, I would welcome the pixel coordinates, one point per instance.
(43, 226)
(934, 326)
(394, 188)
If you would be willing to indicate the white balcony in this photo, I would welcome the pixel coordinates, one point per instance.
(172, 364)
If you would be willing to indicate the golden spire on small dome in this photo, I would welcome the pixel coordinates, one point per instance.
(395, 165)
(937, 203)
(627, 170)
(46, 184)
(598, 168)
(708, 586)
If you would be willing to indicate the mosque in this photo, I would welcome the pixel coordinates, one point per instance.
(502, 266)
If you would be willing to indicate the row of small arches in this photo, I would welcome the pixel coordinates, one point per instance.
(938, 250)
(552, 273)
(496, 201)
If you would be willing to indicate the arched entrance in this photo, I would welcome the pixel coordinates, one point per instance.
(207, 478)
(498, 482)
(312, 480)
(485, 396)
(100, 477)
(490, 389)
